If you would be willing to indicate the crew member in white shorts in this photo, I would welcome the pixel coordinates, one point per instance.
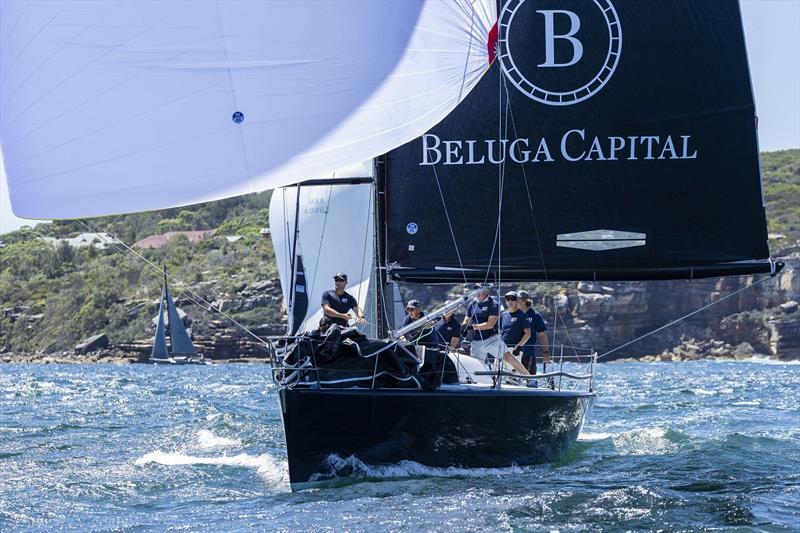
(482, 314)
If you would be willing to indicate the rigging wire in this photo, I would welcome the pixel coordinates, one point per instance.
(684, 317)
(538, 238)
(194, 297)
(449, 224)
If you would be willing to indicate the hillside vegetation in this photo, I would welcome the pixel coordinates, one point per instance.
(51, 297)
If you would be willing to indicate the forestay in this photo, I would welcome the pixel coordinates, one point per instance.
(115, 107)
(623, 135)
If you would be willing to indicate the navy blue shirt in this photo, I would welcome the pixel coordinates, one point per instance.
(421, 336)
(480, 312)
(537, 325)
(512, 326)
(444, 332)
(341, 304)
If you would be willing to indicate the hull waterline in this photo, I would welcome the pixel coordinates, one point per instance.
(461, 427)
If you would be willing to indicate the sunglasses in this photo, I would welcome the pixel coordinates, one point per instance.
(511, 298)
(339, 279)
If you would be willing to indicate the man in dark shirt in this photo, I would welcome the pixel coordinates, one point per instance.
(447, 332)
(421, 336)
(538, 334)
(337, 303)
(515, 331)
(482, 315)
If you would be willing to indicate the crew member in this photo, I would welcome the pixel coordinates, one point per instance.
(421, 336)
(515, 332)
(538, 334)
(325, 324)
(447, 332)
(337, 303)
(482, 315)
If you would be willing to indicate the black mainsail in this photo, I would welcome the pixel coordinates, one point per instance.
(623, 138)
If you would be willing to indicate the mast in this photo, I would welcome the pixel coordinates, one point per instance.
(293, 269)
(379, 166)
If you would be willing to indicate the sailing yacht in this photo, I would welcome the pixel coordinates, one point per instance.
(172, 344)
(510, 141)
(574, 158)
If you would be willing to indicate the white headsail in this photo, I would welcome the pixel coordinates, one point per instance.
(113, 107)
(334, 233)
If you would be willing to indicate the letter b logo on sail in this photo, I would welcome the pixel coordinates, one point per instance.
(550, 37)
(559, 52)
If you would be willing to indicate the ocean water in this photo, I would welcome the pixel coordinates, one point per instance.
(673, 446)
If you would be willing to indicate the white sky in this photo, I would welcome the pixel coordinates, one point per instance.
(772, 29)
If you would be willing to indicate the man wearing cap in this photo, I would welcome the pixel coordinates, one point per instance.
(325, 324)
(447, 332)
(515, 331)
(337, 303)
(421, 336)
(538, 333)
(482, 314)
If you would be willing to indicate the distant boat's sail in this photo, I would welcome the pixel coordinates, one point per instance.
(181, 344)
(335, 234)
(623, 135)
(160, 350)
(114, 107)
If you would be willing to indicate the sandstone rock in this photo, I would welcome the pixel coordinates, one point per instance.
(743, 351)
(92, 344)
(789, 307)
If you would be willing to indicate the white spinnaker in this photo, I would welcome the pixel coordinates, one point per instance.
(335, 234)
(112, 107)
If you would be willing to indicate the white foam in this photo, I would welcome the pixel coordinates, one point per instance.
(271, 469)
(588, 436)
(644, 441)
(354, 466)
(208, 440)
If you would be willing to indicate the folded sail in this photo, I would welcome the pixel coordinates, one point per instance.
(623, 137)
(116, 107)
(334, 234)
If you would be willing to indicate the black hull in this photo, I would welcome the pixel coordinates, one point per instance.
(465, 428)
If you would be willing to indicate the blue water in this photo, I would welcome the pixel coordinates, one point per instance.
(674, 446)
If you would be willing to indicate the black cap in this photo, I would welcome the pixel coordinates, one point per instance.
(413, 304)
(340, 276)
(480, 286)
(325, 321)
(524, 295)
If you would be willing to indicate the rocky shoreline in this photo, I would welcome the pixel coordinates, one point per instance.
(697, 350)
(118, 358)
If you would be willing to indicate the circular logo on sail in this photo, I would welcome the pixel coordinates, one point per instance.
(412, 228)
(559, 52)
